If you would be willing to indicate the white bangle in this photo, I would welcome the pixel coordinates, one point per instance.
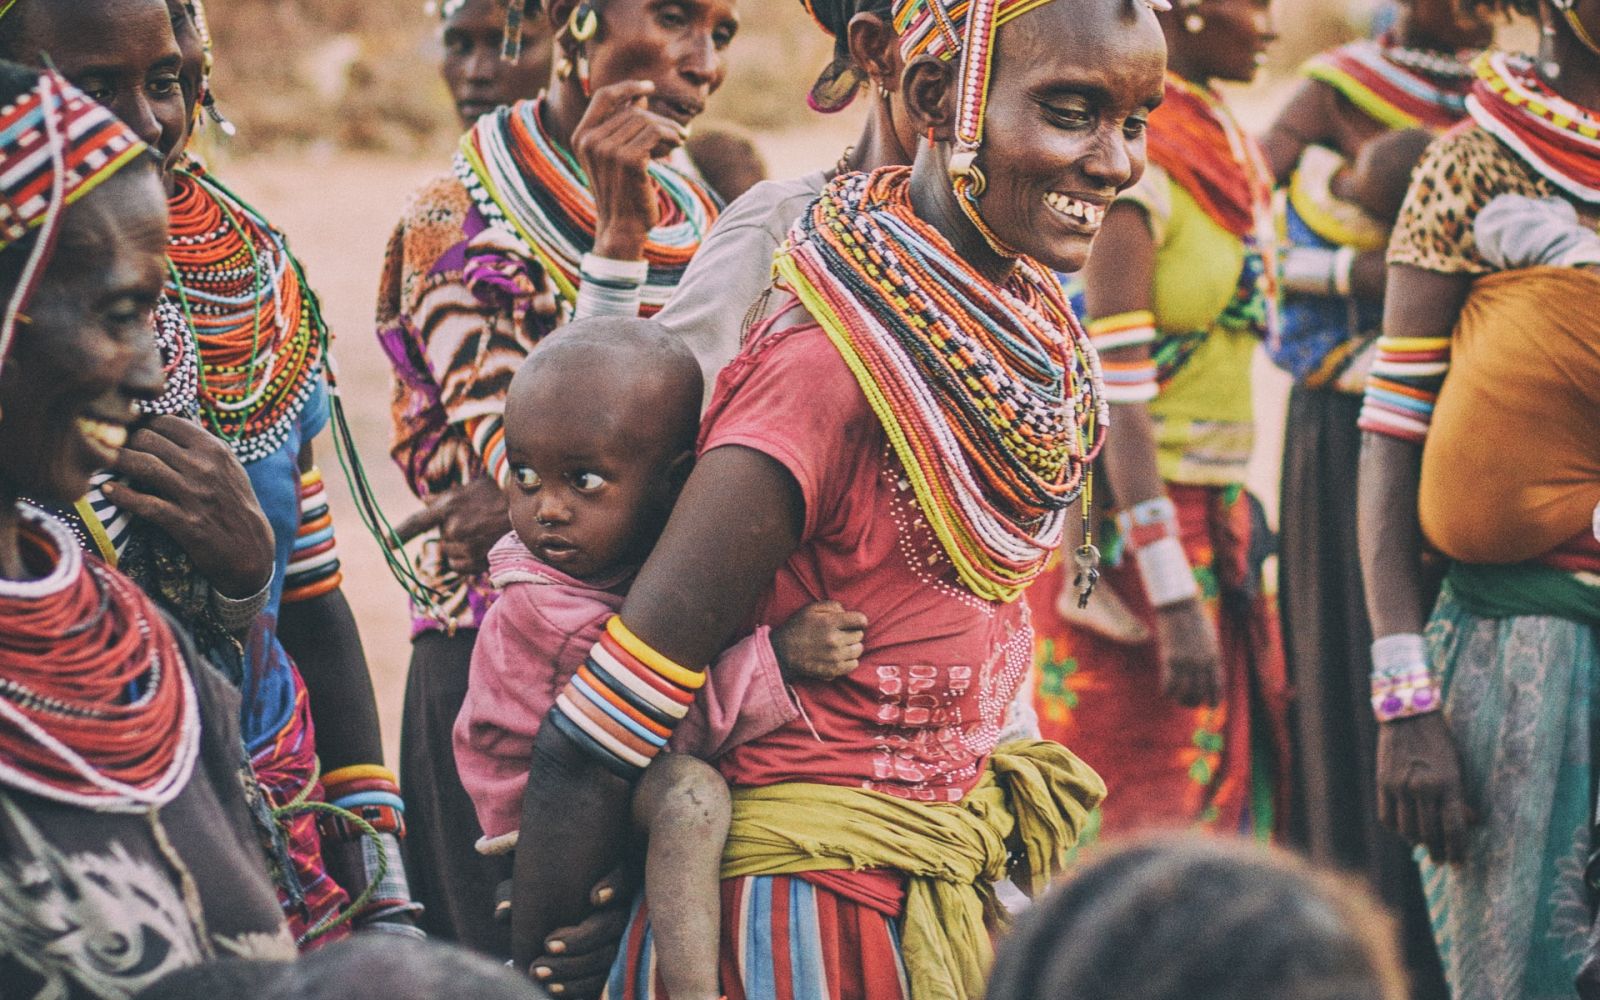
(1344, 259)
(608, 287)
(1165, 571)
(1308, 271)
(1394, 655)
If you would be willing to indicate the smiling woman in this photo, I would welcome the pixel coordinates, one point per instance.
(1181, 289)
(121, 770)
(864, 834)
(565, 205)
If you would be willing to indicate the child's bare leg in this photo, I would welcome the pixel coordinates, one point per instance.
(683, 805)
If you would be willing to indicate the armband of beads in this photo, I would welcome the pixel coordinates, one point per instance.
(314, 559)
(608, 287)
(1344, 260)
(624, 702)
(1151, 532)
(489, 441)
(1131, 381)
(1402, 681)
(361, 843)
(1403, 386)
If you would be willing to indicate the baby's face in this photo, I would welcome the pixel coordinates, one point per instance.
(583, 498)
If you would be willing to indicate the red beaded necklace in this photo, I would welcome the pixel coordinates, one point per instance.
(96, 705)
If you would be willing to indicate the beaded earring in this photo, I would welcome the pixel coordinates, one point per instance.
(584, 22)
(511, 40)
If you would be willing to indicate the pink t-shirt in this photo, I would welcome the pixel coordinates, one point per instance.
(923, 712)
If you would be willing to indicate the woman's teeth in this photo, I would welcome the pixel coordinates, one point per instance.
(103, 433)
(1075, 209)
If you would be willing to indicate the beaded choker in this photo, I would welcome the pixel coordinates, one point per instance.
(990, 394)
(260, 335)
(1557, 139)
(526, 185)
(1398, 87)
(1196, 141)
(97, 709)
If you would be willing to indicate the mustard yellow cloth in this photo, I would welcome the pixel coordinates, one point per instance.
(1035, 796)
(1511, 468)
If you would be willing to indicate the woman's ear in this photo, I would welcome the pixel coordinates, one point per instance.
(928, 88)
(873, 47)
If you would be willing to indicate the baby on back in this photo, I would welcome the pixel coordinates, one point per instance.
(600, 431)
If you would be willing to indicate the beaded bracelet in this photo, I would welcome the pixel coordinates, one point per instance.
(1151, 531)
(489, 441)
(1126, 381)
(1402, 682)
(624, 702)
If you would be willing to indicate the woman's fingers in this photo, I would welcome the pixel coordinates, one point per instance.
(1456, 823)
(607, 100)
(148, 471)
(149, 506)
(1430, 823)
(1406, 819)
(422, 522)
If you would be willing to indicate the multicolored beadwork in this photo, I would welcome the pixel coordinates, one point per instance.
(1556, 138)
(1395, 86)
(990, 394)
(261, 339)
(532, 189)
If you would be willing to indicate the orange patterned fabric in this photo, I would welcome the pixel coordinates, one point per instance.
(1224, 768)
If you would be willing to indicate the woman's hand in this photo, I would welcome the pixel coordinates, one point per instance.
(578, 959)
(187, 482)
(470, 520)
(1191, 660)
(615, 143)
(821, 641)
(1420, 795)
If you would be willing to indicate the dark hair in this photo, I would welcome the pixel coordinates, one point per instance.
(1527, 8)
(1201, 919)
(366, 967)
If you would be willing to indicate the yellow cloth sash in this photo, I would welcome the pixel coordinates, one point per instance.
(1035, 797)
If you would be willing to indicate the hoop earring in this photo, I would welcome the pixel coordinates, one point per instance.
(584, 21)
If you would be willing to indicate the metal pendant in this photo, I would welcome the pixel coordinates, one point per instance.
(1087, 559)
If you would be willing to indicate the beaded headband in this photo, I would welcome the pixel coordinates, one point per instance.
(56, 145)
(944, 29)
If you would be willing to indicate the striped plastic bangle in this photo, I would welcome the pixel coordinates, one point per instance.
(314, 567)
(1129, 329)
(621, 707)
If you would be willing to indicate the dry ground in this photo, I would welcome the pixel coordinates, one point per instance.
(338, 209)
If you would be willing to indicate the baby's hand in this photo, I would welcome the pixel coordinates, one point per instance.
(821, 641)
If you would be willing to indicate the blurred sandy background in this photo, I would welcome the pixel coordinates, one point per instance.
(341, 114)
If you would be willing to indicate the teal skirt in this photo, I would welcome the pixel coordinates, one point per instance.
(1520, 699)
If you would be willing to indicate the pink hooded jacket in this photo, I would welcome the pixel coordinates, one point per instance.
(534, 639)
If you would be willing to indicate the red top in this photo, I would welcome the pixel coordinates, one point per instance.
(923, 712)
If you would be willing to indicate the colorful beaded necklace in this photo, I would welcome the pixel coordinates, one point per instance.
(1557, 139)
(989, 393)
(524, 183)
(96, 706)
(1195, 139)
(259, 333)
(1395, 86)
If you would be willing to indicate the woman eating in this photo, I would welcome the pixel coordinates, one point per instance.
(1188, 724)
(555, 207)
(246, 347)
(885, 487)
(127, 845)
(1479, 424)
